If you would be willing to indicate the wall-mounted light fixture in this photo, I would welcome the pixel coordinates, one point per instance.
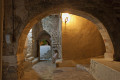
(65, 17)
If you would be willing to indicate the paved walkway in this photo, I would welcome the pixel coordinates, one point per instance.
(47, 71)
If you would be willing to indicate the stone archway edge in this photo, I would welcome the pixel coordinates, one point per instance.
(103, 31)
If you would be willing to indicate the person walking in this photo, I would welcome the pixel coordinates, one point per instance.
(55, 56)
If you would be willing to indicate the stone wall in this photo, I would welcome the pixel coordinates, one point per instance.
(102, 69)
(9, 58)
(51, 24)
(28, 44)
(36, 31)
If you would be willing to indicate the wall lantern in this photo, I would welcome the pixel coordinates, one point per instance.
(65, 17)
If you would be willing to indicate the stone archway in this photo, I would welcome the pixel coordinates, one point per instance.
(108, 44)
(43, 35)
(107, 41)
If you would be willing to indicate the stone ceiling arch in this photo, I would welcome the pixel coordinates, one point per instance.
(44, 35)
(107, 41)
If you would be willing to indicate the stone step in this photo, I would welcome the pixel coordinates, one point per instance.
(79, 66)
(36, 60)
(65, 63)
(28, 55)
(29, 58)
(103, 69)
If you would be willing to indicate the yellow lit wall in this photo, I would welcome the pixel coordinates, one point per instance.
(80, 39)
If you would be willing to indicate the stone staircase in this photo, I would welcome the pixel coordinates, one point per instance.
(71, 63)
(31, 59)
(34, 61)
(83, 67)
(28, 55)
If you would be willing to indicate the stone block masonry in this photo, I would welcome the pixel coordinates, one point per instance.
(103, 69)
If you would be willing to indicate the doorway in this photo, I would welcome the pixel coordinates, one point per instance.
(45, 50)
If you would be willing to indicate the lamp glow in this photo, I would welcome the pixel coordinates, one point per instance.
(65, 17)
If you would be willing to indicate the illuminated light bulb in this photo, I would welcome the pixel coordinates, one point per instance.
(65, 17)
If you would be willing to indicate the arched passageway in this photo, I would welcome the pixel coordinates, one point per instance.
(107, 41)
(108, 44)
(45, 50)
(43, 35)
(21, 15)
(44, 46)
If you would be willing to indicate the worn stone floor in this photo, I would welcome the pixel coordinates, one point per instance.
(48, 71)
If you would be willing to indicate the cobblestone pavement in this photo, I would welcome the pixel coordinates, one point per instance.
(47, 71)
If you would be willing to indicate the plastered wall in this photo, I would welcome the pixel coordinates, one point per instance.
(81, 39)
